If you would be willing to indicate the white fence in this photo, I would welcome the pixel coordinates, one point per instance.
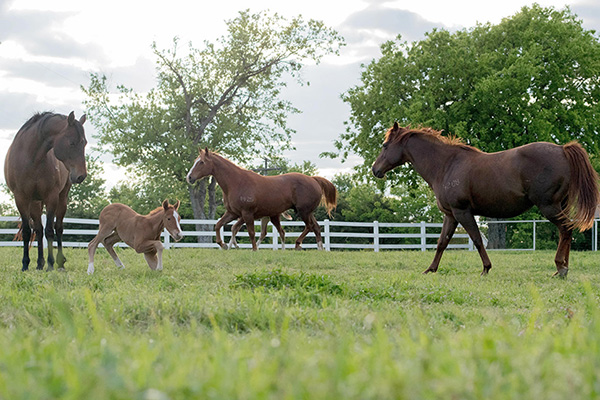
(336, 235)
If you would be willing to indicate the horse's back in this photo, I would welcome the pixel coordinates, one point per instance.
(507, 183)
(115, 213)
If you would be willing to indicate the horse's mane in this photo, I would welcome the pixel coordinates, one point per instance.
(403, 134)
(156, 210)
(40, 119)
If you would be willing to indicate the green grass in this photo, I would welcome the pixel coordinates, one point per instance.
(282, 325)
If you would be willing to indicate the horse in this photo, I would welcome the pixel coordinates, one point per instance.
(559, 180)
(119, 222)
(263, 231)
(250, 196)
(45, 158)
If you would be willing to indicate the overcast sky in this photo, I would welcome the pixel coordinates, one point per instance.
(49, 48)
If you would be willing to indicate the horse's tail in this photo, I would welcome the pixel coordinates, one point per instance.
(19, 235)
(329, 192)
(584, 191)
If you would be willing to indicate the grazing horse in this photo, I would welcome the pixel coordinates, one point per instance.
(119, 222)
(559, 180)
(263, 231)
(46, 156)
(250, 196)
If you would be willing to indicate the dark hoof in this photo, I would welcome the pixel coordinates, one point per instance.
(561, 273)
(428, 270)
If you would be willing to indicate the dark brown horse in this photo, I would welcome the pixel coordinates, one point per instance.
(559, 180)
(47, 156)
(249, 195)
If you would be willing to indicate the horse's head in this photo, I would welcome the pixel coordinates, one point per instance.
(203, 166)
(171, 220)
(69, 147)
(392, 153)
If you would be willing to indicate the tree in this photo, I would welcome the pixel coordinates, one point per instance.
(225, 96)
(533, 77)
(88, 198)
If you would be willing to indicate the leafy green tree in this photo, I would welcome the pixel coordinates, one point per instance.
(225, 96)
(88, 198)
(532, 77)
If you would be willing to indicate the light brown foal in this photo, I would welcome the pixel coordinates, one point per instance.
(119, 222)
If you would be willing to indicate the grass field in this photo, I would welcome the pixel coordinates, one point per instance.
(313, 325)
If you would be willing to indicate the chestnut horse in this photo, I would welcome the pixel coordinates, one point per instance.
(46, 156)
(559, 180)
(263, 231)
(249, 195)
(119, 222)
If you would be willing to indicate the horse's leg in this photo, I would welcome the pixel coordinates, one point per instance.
(249, 219)
(466, 219)
(234, 231)
(152, 250)
(61, 210)
(562, 251)
(317, 230)
(108, 243)
(26, 233)
(151, 259)
(307, 228)
(36, 217)
(103, 233)
(264, 221)
(226, 218)
(561, 259)
(277, 224)
(448, 229)
(49, 231)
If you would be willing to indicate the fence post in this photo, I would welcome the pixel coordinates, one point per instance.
(274, 236)
(167, 239)
(423, 237)
(327, 237)
(43, 226)
(534, 237)
(595, 236)
(376, 236)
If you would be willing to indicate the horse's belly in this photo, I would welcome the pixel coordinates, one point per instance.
(502, 207)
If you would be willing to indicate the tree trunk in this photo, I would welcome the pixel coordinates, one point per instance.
(496, 235)
(197, 198)
(198, 193)
(212, 201)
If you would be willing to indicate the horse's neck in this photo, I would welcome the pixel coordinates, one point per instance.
(42, 141)
(157, 220)
(227, 173)
(429, 157)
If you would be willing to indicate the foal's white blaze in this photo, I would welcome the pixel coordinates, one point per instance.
(187, 178)
(176, 215)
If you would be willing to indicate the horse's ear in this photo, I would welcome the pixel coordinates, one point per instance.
(71, 118)
(176, 205)
(82, 119)
(396, 125)
(166, 204)
(206, 153)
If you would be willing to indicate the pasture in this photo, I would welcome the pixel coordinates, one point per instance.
(321, 325)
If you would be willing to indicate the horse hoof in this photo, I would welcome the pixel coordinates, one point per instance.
(561, 273)
(428, 270)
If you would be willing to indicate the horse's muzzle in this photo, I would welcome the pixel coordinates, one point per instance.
(77, 179)
(378, 173)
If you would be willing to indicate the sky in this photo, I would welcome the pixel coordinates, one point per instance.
(49, 48)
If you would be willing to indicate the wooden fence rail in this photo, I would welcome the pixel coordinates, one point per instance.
(373, 236)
